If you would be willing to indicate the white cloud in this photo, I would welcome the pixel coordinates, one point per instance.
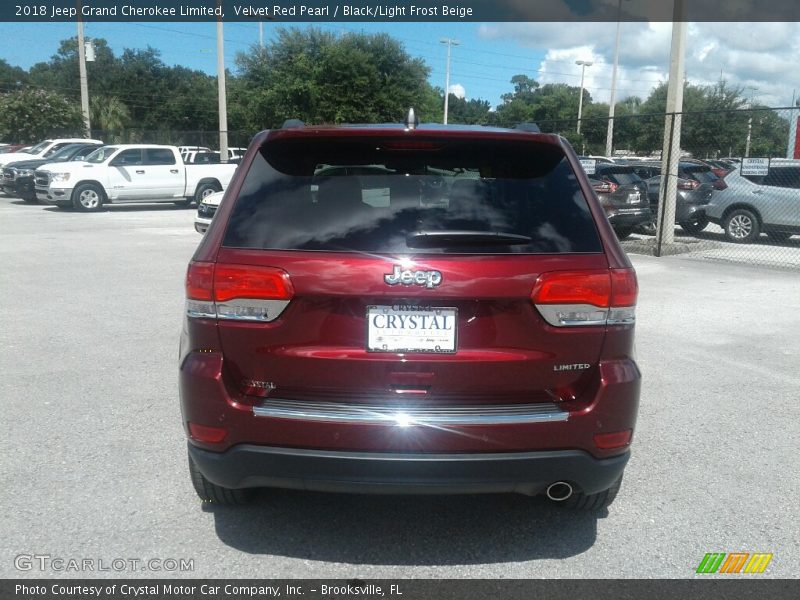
(761, 55)
(458, 90)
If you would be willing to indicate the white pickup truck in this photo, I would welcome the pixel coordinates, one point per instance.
(129, 173)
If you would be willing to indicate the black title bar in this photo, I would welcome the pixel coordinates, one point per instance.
(289, 11)
(730, 588)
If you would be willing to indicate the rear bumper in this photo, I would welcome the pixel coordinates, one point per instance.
(628, 217)
(529, 473)
(684, 212)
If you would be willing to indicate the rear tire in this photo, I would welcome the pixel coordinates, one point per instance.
(623, 232)
(695, 225)
(648, 228)
(593, 502)
(741, 226)
(211, 493)
(205, 189)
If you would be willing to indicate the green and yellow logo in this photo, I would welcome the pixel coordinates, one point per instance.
(735, 562)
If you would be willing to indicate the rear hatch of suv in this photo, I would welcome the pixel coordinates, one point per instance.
(368, 266)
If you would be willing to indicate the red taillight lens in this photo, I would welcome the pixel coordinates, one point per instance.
(616, 439)
(688, 184)
(624, 287)
(199, 281)
(572, 287)
(240, 292)
(605, 187)
(257, 283)
(582, 298)
(203, 433)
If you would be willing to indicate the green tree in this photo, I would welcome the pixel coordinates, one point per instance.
(553, 106)
(109, 114)
(29, 115)
(469, 112)
(11, 78)
(319, 77)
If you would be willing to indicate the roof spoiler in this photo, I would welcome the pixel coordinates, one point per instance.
(529, 127)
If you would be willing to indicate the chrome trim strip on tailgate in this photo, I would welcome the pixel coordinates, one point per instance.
(501, 414)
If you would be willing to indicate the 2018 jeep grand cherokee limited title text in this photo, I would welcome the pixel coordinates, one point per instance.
(409, 310)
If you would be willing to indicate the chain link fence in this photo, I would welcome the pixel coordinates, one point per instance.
(736, 193)
(173, 137)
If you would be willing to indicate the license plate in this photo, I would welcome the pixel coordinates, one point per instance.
(411, 329)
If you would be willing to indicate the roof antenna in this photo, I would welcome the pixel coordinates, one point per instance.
(411, 119)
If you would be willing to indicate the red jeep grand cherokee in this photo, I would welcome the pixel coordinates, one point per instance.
(405, 309)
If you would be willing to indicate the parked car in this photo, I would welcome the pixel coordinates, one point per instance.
(129, 173)
(772, 206)
(480, 344)
(623, 195)
(201, 158)
(692, 199)
(186, 149)
(236, 153)
(721, 167)
(18, 176)
(42, 150)
(11, 148)
(205, 211)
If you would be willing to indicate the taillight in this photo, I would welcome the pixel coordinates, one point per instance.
(239, 292)
(688, 184)
(579, 298)
(605, 187)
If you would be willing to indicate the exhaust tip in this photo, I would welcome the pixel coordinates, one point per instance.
(559, 491)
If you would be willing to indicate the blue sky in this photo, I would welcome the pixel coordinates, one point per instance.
(483, 67)
(758, 57)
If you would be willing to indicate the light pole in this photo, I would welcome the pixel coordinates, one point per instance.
(612, 100)
(671, 150)
(750, 120)
(222, 99)
(582, 64)
(84, 82)
(450, 42)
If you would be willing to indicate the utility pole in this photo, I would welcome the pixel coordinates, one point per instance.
(611, 102)
(790, 148)
(671, 152)
(450, 42)
(84, 81)
(582, 64)
(223, 103)
(261, 34)
(750, 120)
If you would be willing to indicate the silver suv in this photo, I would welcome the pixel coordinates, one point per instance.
(754, 205)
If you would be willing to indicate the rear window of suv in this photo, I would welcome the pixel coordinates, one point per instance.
(700, 173)
(620, 175)
(432, 195)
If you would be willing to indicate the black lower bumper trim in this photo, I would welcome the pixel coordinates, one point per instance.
(528, 473)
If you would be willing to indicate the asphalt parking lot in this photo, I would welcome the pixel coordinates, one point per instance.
(94, 459)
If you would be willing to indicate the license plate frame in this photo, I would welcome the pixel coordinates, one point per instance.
(428, 340)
